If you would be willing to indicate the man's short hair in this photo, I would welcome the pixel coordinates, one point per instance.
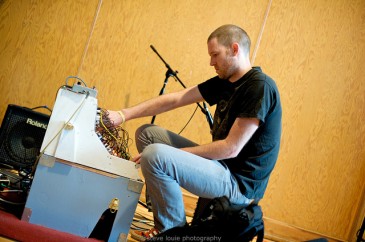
(228, 34)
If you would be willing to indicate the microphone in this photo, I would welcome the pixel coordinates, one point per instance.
(153, 48)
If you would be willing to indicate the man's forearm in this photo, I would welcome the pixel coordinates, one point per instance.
(217, 150)
(157, 105)
(150, 107)
(163, 103)
(240, 133)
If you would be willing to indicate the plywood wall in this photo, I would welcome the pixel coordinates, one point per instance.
(315, 50)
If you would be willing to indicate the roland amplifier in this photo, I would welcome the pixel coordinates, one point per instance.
(21, 136)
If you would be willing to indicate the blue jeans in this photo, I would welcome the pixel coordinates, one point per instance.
(166, 168)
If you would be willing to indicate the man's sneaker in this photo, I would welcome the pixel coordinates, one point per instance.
(144, 235)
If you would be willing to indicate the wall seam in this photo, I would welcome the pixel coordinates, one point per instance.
(89, 38)
(254, 53)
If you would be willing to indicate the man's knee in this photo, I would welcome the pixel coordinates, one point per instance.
(141, 130)
(141, 137)
(153, 155)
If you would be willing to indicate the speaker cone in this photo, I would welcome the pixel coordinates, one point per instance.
(23, 143)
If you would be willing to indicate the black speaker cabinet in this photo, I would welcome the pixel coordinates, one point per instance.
(21, 136)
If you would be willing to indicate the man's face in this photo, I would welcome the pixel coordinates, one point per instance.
(221, 58)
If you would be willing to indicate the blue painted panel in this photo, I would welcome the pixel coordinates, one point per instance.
(72, 199)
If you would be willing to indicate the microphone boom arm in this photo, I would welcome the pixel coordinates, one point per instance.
(171, 72)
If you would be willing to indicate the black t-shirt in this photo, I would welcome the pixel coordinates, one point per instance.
(255, 95)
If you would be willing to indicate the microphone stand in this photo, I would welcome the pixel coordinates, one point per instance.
(171, 73)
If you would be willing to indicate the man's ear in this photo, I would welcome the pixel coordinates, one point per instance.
(235, 48)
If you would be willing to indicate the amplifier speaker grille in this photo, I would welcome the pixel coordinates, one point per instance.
(21, 136)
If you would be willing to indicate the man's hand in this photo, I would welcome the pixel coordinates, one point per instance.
(115, 117)
(137, 159)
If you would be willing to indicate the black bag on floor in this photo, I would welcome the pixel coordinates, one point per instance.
(220, 221)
